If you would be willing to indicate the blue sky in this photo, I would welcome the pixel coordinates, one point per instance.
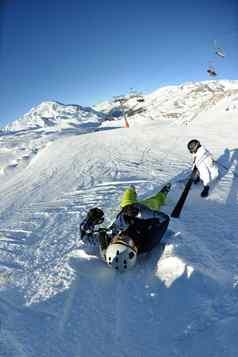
(84, 52)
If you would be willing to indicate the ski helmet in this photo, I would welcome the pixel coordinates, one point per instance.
(121, 255)
(193, 145)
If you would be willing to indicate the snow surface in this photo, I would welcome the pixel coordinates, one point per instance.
(57, 298)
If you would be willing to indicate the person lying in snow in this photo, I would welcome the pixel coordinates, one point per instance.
(206, 166)
(138, 228)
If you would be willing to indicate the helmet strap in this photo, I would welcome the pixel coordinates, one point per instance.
(119, 241)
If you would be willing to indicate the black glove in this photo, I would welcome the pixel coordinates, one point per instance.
(103, 238)
(196, 180)
(87, 230)
(95, 216)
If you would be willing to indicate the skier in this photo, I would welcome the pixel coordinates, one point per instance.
(138, 228)
(205, 164)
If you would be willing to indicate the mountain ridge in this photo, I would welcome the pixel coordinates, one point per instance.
(171, 102)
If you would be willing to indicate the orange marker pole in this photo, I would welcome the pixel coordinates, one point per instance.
(126, 124)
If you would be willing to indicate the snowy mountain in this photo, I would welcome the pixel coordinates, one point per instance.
(55, 116)
(57, 162)
(182, 102)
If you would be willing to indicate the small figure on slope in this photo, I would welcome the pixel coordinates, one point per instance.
(205, 164)
(138, 228)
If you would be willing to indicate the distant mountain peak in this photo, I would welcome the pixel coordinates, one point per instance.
(55, 115)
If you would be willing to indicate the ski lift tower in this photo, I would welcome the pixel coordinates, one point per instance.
(122, 100)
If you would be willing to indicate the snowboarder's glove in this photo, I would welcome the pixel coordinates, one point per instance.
(95, 216)
(103, 238)
(87, 230)
(196, 180)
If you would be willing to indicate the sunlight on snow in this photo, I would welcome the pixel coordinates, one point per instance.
(171, 268)
(80, 253)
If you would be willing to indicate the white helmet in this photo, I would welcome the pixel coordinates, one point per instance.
(121, 256)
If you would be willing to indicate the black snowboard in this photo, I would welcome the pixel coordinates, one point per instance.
(179, 206)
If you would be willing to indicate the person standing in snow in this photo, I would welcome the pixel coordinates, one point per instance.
(205, 164)
(138, 228)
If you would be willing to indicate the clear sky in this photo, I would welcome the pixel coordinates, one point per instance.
(84, 51)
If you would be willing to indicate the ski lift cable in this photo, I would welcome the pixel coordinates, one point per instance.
(222, 37)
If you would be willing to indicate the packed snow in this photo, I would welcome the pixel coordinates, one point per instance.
(58, 299)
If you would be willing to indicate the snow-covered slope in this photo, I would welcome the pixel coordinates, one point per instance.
(57, 299)
(21, 140)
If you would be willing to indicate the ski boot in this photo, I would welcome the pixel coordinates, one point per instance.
(205, 191)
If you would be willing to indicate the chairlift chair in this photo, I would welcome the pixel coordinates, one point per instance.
(219, 52)
(211, 72)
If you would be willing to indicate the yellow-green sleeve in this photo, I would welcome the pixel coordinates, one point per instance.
(155, 202)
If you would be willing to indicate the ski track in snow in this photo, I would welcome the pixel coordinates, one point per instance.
(181, 300)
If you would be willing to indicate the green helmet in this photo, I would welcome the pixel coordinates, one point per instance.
(121, 256)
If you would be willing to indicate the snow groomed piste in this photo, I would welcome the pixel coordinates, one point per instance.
(57, 298)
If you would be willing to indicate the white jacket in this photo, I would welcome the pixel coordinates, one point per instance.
(207, 168)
